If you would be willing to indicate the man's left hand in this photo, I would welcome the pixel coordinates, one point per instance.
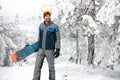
(56, 53)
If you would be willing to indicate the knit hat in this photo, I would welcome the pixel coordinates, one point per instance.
(46, 12)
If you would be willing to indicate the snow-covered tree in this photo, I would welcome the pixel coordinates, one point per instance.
(9, 35)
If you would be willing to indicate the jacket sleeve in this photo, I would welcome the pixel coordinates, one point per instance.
(57, 42)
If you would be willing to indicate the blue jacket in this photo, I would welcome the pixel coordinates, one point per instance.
(49, 36)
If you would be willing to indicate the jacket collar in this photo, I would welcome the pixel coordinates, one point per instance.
(49, 23)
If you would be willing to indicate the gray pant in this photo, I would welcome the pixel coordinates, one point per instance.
(39, 62)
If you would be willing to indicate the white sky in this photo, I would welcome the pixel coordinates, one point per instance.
(25, 8)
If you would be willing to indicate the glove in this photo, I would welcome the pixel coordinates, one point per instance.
(57, 53)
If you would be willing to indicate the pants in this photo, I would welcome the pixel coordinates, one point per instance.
(39, 62)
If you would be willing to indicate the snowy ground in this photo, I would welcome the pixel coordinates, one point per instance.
(64, 71)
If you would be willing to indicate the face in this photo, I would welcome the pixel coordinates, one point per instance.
(47, 18)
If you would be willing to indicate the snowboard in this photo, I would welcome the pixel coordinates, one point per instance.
(25, 52)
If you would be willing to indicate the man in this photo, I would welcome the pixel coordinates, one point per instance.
(49, 44)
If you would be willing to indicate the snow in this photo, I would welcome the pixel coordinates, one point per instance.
(1, 29)
(9, 42)
(92, 24)
(107, 13)
(66, 13)
(64, 71)
(2, 46)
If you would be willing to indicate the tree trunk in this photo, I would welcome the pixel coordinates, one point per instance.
(90, 49)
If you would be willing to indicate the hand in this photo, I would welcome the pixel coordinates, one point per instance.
(57, 53)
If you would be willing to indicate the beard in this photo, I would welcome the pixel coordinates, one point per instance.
(47, 20)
